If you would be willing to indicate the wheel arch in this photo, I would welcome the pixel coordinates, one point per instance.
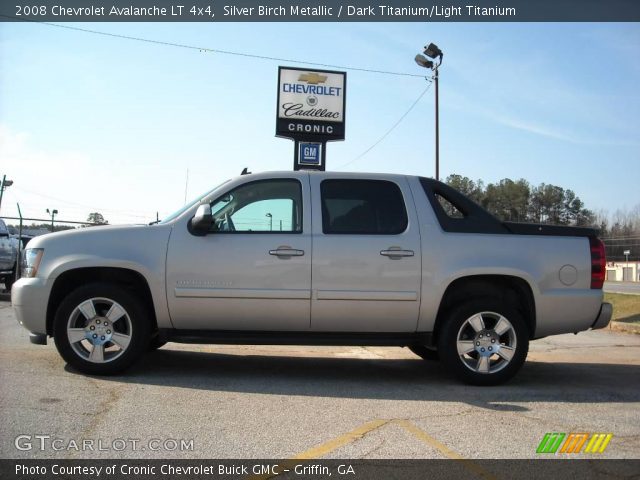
(124, 277)
(502, 287)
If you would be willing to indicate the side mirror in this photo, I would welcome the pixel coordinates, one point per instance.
(201, 222)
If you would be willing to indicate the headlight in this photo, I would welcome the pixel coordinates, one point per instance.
(31, 262)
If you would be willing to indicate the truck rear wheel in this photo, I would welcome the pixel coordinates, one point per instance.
(101, 329)
(484, 342)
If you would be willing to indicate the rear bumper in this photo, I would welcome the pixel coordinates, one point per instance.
(604, 317)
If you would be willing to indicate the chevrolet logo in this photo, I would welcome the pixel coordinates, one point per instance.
(312, 78)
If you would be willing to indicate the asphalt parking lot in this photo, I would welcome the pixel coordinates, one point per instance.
(313, 402)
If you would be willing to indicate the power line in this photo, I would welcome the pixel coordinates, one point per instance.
(386, 134)
(217, 50)
(78, 206)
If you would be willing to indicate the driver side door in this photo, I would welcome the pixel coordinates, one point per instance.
(252, 271)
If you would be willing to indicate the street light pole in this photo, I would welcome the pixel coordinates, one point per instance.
(4, 184)
(270, 221)
(53, 213)
(434, 52)
(437, 126)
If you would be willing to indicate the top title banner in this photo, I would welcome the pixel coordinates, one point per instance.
(320, 11)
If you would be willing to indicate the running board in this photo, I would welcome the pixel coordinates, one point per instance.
(238, 337)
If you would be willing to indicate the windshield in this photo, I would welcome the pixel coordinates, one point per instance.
(188, 205)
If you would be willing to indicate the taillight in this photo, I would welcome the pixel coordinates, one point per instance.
(598, 262)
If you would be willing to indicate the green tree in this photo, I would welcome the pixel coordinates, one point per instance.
(96, 217)
(508, 200)
(473, 190)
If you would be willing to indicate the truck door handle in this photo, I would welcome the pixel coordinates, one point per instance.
(397, 253)
(286, 252)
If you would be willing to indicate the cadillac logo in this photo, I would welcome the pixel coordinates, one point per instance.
(312, 100)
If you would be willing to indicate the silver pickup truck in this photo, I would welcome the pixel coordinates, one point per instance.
(316, 258)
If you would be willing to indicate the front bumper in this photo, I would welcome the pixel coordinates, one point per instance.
(38, 338)
(29, 298)
(604, 317)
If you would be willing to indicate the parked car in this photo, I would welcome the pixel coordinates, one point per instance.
(318, 258)
(8, 256)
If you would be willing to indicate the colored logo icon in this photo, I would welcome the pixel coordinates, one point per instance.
(553, 443)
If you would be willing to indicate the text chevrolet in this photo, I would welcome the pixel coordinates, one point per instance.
(316, 258)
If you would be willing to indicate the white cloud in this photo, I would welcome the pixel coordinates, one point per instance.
(550, 132)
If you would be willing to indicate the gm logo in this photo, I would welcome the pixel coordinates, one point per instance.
(573, 443)
(310, 154)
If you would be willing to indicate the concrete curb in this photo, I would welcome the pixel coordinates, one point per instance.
(625, 327)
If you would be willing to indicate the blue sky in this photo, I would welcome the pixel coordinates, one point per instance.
(95, 123)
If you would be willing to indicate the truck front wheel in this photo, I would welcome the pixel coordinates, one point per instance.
(484, 342)
(101, 329)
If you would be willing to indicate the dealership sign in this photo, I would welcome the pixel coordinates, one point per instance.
(311, 104)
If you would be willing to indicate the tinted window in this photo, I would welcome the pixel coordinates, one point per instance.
(363, 207)
(262, 206)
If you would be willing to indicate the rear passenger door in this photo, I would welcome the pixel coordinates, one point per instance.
(366, 267)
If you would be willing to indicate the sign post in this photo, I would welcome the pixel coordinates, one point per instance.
(310, 111)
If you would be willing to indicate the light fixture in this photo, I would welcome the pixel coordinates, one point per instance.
(423, 62)
(433, 51)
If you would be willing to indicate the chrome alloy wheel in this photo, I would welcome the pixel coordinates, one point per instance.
(99, 330)
(486, 342)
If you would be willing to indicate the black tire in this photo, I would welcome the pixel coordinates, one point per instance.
(135, 317)
(461, 365)
(9, 280)
(426, 353)
(156, 343)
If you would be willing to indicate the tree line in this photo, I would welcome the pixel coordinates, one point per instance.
(621, 233)
(519, 201)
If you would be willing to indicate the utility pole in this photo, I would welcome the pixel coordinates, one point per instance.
(437, 126)
(186, 186)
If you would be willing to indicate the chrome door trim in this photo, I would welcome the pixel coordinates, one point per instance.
(366, 295)
(289, 294)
